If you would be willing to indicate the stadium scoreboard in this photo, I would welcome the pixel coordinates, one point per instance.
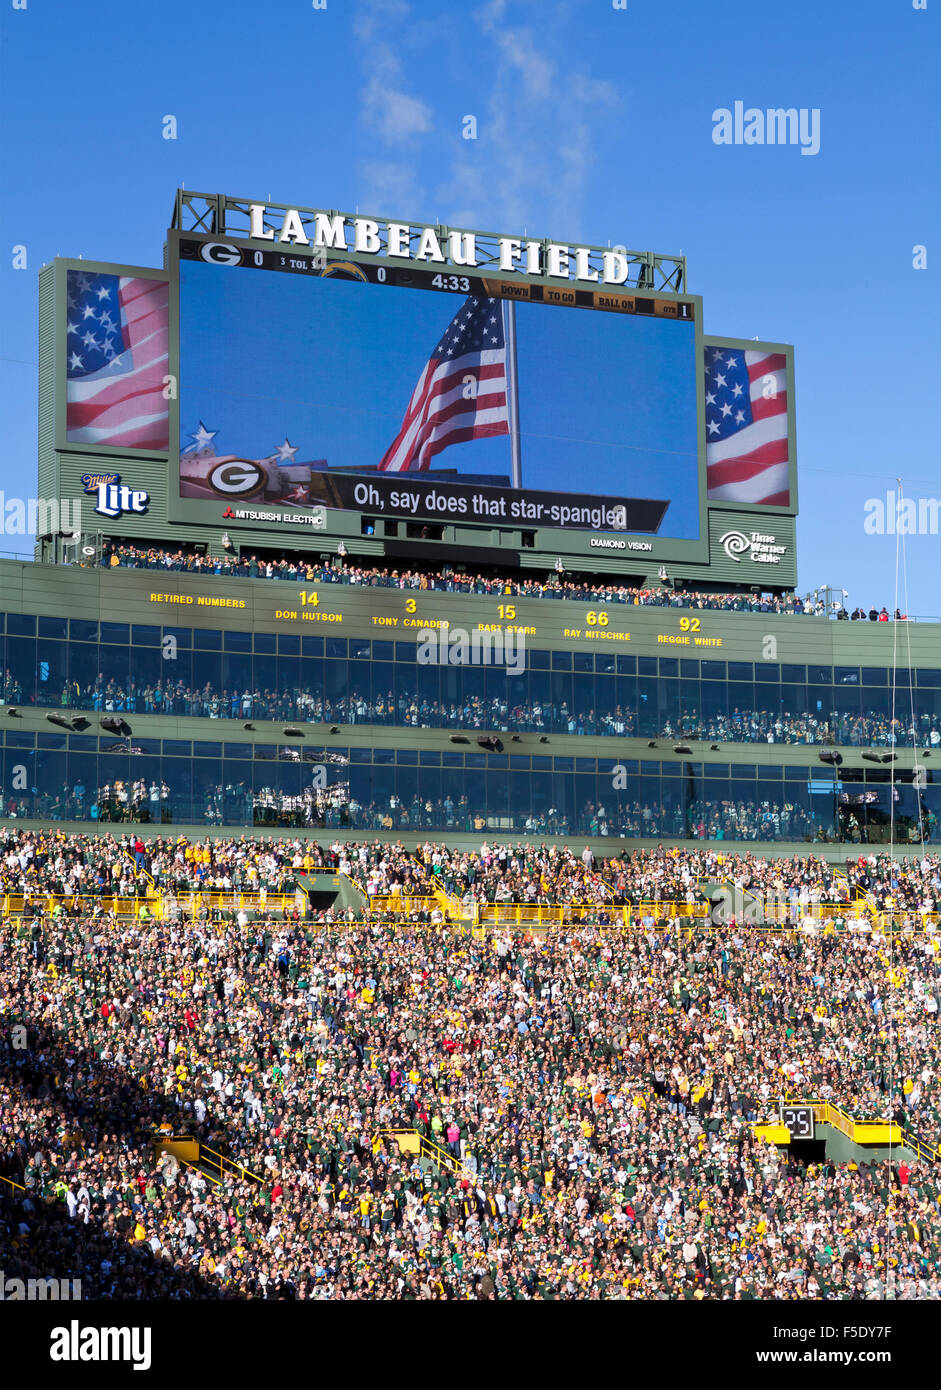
(415, 393)
(609, 301)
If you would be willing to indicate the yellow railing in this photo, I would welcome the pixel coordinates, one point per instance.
(225, 1165)
(410, 1141)
(187, 1149)
(10, 1183)
(26, 904)
(548, 915)
(559, 914)
(397, 902)
(141, 871)
(451, 906)
(191, 904)
(873, 1131)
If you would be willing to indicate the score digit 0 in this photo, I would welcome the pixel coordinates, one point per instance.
(689, 624)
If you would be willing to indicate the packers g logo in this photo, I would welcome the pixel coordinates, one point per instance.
(220, 253)
(237, 478)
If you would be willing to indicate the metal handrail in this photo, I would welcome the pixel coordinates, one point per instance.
(223, 1162)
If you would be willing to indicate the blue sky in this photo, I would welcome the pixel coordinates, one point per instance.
(332, 365)
(594, 124)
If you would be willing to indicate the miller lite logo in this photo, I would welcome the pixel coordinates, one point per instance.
(114, 498)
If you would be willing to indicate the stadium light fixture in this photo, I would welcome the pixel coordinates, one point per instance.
(60, 719)
(79, 722)
(291, 732)
(115, 726)
(14, 713)
(651, 743)
(459, 738)
(334, 728)
(831, 756)
(248, 726)
(682, 748)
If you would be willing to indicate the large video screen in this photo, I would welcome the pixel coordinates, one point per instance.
(414, 394)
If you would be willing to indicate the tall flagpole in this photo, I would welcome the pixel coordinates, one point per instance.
(512, 393)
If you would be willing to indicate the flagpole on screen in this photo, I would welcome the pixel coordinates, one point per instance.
(512, 393)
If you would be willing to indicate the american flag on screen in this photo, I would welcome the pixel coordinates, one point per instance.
(746, 427)
(116, 345)
(440, 411)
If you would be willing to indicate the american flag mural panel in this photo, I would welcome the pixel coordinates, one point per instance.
(117, 358)
(746, 427)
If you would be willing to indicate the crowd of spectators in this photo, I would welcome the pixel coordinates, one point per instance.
(333, 807)
(411, 709)
(446, 580)
(591, 1093)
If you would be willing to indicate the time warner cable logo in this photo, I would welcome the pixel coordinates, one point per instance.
(761, 546)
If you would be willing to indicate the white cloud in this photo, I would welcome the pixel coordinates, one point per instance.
(530, 166)
(538, 120)
(392, 113)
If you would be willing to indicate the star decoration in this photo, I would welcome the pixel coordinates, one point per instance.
(201, 440)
